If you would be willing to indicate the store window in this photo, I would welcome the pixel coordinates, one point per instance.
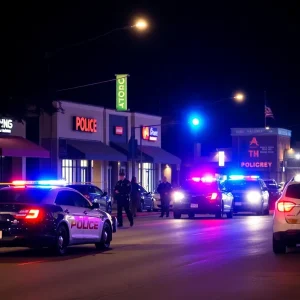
(76, 170)
(148, 176)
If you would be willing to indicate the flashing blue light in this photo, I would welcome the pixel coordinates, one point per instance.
(241, 177)
(236, 177)
(51, 182)
(39, 183)
(195, 121)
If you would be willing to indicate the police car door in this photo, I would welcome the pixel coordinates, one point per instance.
(92, 225)
(73, 214)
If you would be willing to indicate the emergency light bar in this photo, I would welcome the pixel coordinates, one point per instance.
(241, 177)
(39, 182)
(204, 179)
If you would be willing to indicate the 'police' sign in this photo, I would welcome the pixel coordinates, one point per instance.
(6, 125)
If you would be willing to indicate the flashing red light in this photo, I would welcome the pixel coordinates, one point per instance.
(20, 182)
(208, 179)
(28, 214)
(196, 179)
(285, 206)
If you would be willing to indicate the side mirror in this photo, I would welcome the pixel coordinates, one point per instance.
(104, 194)
(96, 205)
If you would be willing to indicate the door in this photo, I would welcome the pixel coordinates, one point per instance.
(92, 224)
(73, 215)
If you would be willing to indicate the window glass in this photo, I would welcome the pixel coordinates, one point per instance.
(293, 191)
(79, 200)
(64, 198)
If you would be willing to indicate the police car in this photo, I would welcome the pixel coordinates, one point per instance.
(48, 214)
(250, 194)
(286, 219)
(202, 195)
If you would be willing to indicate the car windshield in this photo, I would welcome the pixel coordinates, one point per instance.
(196, 187)
(293, 191)
(23, 195)
(270, 184)
(234, 185)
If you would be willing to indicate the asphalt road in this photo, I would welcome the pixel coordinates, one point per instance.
(158, 258)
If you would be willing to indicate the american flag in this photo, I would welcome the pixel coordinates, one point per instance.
(268, 112)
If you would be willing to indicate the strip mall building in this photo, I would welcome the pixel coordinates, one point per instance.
(90, 144)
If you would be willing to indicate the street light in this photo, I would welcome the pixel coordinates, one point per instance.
(239, 97)
(141, 25)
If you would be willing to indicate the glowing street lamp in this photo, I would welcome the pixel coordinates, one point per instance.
(141, 25)
(239, 97)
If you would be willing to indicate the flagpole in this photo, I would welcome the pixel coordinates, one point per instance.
(265, 100)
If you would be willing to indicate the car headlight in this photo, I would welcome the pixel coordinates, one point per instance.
(178, 196)
(254, 197)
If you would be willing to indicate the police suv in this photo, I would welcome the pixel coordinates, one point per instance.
(250, 194)
(47, 214)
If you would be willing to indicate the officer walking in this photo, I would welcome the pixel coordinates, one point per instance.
(164, 189)
(122, 192)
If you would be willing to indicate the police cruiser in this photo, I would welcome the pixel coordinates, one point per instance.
(202, 195)
(47, 214)
(250, 194)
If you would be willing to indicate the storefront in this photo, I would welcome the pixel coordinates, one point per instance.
(155, 161)
(75, 140)
(15, 148)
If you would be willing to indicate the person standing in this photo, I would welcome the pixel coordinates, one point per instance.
(122, 193)
(164, 189)
(135, 196)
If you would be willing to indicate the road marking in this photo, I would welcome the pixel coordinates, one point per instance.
(31, 263)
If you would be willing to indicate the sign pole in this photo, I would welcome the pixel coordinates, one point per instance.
(265, 99)
(141, 150)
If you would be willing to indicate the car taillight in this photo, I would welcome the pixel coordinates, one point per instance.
(212, 196)
(28, 214)
(285, 206)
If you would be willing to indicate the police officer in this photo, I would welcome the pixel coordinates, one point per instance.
(164, 189)
(122, 192)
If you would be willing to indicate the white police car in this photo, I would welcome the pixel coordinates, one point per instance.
(286, 219)
(48, 214)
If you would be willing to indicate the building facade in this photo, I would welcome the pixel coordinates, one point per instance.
(15, 149)
(91, 144)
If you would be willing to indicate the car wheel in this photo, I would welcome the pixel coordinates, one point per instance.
(106, 237)
(109, 208)
(176, 215)
(267, 211)
(151, 207)
(278, 247)
(230, 214)
(62, 240)
(191, 216)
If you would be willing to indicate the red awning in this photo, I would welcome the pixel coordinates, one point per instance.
(16, 146)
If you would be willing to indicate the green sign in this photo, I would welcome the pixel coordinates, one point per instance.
(121, 96)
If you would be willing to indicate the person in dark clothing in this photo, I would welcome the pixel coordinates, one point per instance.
(122, 193)
(164, 189)
(135, 196)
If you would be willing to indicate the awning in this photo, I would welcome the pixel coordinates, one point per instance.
(160, 155)
(92, 150)
(16, 146)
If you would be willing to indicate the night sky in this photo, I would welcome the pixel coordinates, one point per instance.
(192, 56)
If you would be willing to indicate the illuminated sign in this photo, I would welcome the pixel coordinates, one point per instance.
(221, 158)
(257, 164)
(119, 130)
(6, 125)
(258, 155)
(84, 124)
(149, 133)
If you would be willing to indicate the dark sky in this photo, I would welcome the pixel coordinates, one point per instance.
(192, 55)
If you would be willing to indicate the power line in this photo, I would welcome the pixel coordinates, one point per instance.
(90, 84)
